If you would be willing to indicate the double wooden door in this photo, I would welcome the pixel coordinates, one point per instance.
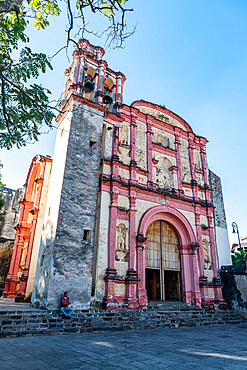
(162, 262)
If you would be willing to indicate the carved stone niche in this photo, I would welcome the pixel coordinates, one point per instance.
(124, 135)
(124, 155)
(207, 255)
(163, 176)
(122, 248)
(163, 140)
(197, 160)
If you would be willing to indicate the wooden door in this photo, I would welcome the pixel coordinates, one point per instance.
(162, 254)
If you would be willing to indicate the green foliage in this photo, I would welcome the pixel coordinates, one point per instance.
(24, 107)
(237, 258)
(42, 9)
(5, 259)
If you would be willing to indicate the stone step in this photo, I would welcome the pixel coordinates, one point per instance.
(128, 326)
(119, 315)
(49, 322)
(7, 324)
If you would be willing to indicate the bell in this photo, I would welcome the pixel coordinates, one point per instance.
(107, 99)
(88, 85)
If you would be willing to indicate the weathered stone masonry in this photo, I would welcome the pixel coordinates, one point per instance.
(75, 235)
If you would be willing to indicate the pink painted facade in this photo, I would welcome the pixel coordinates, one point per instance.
(171, 206)
(26, 230)
(153, 167)
(130, 181)
(153, 173)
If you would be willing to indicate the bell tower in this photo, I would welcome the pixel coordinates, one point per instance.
(90, 77)
(65, 261)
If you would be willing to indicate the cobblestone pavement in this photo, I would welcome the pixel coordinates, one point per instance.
(212, 347)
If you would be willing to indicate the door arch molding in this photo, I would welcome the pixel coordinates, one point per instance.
(173, 217)
(187, 245)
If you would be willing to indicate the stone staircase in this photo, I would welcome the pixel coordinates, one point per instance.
(157, 315)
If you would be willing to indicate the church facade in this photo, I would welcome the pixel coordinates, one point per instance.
(130, 210)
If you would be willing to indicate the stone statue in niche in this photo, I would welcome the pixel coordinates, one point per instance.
(122, 249)
(163, 176)
(197, 161)
(163, 140)
(124, 155)
(185, 166)
(140, 151)
(199, 178)
(207, 257)
(123, 135)
(185, 174)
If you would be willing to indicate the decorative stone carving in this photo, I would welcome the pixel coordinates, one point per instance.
(122, 249)
(197, 160)
(124, 156)
(163, 176)
(199, 178)
(141, 145)
(108, 142)
(185, 166)
(207, 255)
(161, 116)
(123, 135)
(163, 140)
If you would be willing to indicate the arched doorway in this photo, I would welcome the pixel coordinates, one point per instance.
(162, 261)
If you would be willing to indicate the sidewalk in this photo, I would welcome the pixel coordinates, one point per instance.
(11, 305)
(214, 347)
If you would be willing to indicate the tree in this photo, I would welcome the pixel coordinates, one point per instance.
(237, 258)
(5, 258)
(24, 106)
(2, 202)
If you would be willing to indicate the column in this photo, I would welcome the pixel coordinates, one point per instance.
(178, 160)
(100, 87)
(197, 296)
(133, 149)
(192, 169)
(205, 173)
(202, 278)
(131, 276)
(142, 293)
(149, 151)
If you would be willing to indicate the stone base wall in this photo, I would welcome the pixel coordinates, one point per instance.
(235, 290)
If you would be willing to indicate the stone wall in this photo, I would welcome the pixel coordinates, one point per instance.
(70, 240)
(7, 231)
(222, 239)
(235, 287)
(11, 208)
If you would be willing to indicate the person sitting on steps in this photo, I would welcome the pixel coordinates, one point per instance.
(65, 302)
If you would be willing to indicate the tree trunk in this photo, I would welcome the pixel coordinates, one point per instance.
(10, 6)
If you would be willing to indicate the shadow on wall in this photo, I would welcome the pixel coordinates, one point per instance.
(44, 264)
(235, 287)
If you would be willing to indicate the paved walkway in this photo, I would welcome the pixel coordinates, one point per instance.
(214, 347)
(11, 305)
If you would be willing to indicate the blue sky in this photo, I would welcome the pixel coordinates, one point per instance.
(189, 55)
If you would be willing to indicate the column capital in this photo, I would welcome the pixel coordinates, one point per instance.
(141, 240)
(194, 247)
